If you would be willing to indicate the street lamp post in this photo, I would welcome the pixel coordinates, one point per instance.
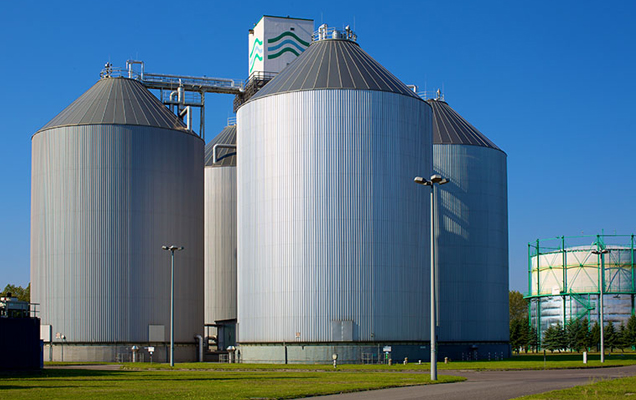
(440, 181)
(600, 299)
(172, 249)
(63, 337)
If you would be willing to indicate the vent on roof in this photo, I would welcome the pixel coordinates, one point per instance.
(325, 32)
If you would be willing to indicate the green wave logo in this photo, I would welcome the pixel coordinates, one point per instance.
(286, 42)
(289, 33)
(256, 53)
(260, 50)
(283, 51)
(259, 58)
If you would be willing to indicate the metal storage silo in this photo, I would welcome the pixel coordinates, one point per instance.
(114, 177)
(333, 233)
(220, 236)
(473, 238)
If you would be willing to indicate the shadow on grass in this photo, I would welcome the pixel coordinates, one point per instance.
(9, 387)
(57, 373)
(156, 375)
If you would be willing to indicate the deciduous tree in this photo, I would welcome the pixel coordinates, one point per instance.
(21, 293)
(518, 306)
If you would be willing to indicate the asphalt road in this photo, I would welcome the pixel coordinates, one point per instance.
(493, 385)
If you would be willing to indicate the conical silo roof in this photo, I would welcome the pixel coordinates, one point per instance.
(334, 64)
(117, 101)
(451, 128)
(225, 157)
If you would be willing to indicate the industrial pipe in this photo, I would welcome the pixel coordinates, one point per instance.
(220, 146)
(181, 93)
(200, 339)
(129, 66)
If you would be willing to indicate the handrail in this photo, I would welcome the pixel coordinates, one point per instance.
(194, 80)
(155, 81)
(327, 32)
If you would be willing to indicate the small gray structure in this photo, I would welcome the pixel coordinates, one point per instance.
(20, 346)
(115, 176)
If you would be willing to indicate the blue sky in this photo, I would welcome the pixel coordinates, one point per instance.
(550, 82)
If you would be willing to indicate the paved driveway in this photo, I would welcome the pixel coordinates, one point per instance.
(493, 385)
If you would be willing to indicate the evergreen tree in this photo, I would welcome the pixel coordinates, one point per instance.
(532, 338)
(562, 338)
(585, 333)
(518, 307)
(630, 334)
(610, 336)
(554, 338)
(517, 334)
(576, 335)
(621, 337)
(548, 341)
(595, 337)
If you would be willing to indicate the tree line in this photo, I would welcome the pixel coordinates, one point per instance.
(21, 293)
(576, 335)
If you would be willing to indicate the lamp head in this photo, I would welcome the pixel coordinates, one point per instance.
(419, 180)
(438, 179)
(172, 248)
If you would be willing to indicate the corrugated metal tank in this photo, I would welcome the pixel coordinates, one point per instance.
(582, 270)
(114, 177)
(220, 229)
(333, 232)
(565, 283)
(473, 234)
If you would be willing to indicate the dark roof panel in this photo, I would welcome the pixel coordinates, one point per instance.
(451, 128)
(118, 101)
(226, 157)
(334, 64)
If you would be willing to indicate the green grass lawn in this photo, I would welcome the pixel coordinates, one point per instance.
(552, 361)
(157, 384)
(277, 381)
(530, 361)
(609, 389)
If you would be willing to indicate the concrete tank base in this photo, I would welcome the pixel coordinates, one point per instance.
(359, 353)
(120, 352)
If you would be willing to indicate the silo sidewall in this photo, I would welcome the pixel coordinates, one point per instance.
(105, 198)
(333, 233)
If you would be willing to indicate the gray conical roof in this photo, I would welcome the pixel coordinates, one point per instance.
(451, 128)
(334, 64)
(225, 157)
(119, 101)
